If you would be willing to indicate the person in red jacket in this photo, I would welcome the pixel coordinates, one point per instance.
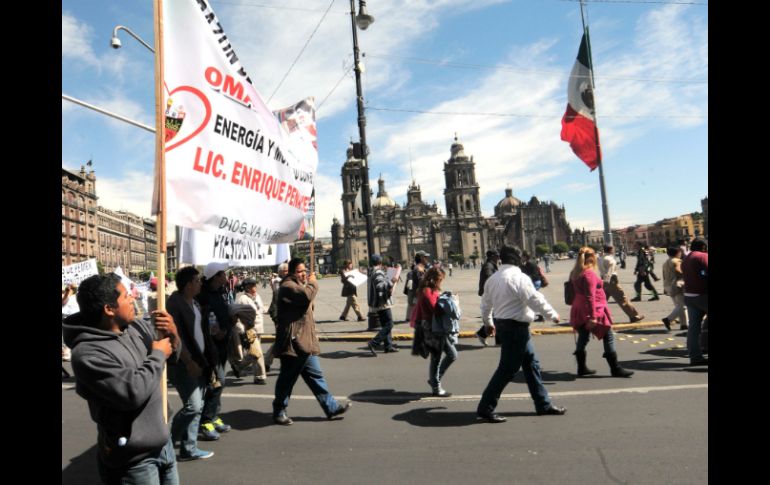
(590, 314)
(696, 297)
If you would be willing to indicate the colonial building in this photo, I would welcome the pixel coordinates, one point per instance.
(399, 232)
(704, 204)
(78, 221)
(114, 240)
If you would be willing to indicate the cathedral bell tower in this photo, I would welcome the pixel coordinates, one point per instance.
(462, 191)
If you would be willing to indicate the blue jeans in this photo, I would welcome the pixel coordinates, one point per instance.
(184, 426)
(309, 367)
(386, 320)
(158, 469)
(436, 371)
(697, 308)
(516, 351)
(584, 336)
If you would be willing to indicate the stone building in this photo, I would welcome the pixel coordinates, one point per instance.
(399, 232)
(78, 216)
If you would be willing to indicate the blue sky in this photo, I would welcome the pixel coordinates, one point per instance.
(450, 56)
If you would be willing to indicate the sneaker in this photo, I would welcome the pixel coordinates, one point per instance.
(340, 410)
(260, 381)
(391, 349)
(221, 427)
(195, 455)
(481, 339)
(283, 420)
(208, 433)
(666, 322)
(637, 318)
(441, 392)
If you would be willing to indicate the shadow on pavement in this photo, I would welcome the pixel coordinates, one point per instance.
(645, 331)
(463, 347)
(246, 419)
(433, 418)
(344, 354)
(81, 469)
(387, 396)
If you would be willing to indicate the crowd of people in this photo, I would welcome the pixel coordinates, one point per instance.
(212, 319)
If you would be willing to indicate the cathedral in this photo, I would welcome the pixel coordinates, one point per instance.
(400, 232)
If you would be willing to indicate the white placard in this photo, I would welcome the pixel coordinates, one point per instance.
(75, 273)
(198, 247)
(357, 278)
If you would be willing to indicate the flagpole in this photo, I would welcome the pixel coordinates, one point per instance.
(160, 157)
(605, 206)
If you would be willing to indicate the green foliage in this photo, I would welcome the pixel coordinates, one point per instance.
(100, 267)
(457, 258)
(560, 247)
(363, 262)
(541, 249)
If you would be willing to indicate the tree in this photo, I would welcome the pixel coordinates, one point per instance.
(560, 247)
(457, 258)
(541, 249)
(363, 263)
(100, 267)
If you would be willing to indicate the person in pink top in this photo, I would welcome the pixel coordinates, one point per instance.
(425, 341)
(591, 315)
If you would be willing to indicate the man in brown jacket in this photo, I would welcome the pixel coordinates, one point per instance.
(296, 344)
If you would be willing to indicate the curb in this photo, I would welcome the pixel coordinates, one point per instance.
(366, 336)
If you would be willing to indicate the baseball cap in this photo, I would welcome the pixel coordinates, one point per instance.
(375, 259)
(214, 268)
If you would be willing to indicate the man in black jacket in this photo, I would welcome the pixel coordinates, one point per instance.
(118, 366)
(193, 370)
(642, 271)
(349, 291)
(487, 270)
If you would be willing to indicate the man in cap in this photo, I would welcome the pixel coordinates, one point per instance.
(213, 300)
(413, 280)
(380, 291)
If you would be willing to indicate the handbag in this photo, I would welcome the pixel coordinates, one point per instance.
(569, 292)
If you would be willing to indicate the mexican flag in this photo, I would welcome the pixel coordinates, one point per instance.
(578, 126)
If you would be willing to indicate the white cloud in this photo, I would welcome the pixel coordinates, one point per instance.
(75, 37)
(132, 192)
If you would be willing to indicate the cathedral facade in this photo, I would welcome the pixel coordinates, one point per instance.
(400, 232)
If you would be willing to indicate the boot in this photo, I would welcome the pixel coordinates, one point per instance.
(615, 369)
(582, 369)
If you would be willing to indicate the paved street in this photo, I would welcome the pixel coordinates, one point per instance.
(651, 428)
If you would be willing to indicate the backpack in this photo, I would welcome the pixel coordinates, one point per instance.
(446, 320)
(569, 292)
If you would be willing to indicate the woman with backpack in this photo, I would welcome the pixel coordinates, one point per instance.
(435, 339)
(591, 315)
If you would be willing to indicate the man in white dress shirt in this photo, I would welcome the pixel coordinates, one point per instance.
(505, 309)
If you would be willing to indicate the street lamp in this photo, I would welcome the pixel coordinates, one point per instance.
(363, 20)
(115, 41)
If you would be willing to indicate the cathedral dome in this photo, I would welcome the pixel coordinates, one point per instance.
(508, 203)
(457, 149)
(382, 199)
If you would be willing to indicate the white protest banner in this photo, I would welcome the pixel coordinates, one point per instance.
(356, 277)
(198, 247)
(231, 166)
(75, 273)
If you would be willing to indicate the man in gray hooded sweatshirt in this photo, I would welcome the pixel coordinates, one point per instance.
(118, 366)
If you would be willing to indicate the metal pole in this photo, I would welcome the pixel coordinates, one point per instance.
(605, 207)
(366, 202)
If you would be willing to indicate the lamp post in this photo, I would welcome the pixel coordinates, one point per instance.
(363, 20)
(115, 41)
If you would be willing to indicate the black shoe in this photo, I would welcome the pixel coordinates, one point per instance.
(666, 322)
(492, 418)
(555, 410)
(539, 318)
(344, 319)
(638, 298)
(283, 420)
(701, 361)
(340, 410)
(482, 339)
(236, 370)
(361, 319)
(391, 349)
(371, 347)
(654, 298)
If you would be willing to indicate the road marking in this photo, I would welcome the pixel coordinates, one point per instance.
(414, 397)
